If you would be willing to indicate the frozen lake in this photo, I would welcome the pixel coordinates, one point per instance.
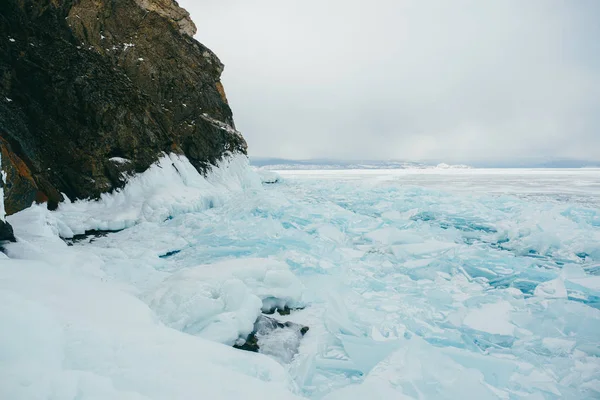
(430, 284)
(494, 270)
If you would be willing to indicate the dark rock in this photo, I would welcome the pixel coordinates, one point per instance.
(251, 344)
(281, 311)
(169, 253)
(283, 346)
(92, 91)
(6, 232)
(90, 236)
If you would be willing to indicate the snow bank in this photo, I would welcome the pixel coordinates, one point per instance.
(69, 337)
(74, 320)
(2, 180)
(221, 301)
(169, 187)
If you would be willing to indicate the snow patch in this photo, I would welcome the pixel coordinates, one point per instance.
(119, 160)
(2, 183)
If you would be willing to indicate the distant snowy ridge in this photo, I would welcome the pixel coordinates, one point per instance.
(447, 166)
(280, 164)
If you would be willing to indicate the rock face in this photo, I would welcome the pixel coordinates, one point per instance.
(85, 84)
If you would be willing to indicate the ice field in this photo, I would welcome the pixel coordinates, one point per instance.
(416, 284)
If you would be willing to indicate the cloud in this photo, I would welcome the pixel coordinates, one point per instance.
(457, 81)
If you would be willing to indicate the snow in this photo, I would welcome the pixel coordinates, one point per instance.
(221, 301)
(119, 160)
(447, 166)
(2, 183)
(433, 283)
(170, 187)
(72, 337)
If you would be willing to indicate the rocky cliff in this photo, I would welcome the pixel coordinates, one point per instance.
(94, 90)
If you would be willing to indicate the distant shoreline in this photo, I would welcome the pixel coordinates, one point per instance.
(323, 164)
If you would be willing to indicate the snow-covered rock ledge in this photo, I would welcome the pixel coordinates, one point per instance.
(109, 321)
(6, 232)
(171, 186)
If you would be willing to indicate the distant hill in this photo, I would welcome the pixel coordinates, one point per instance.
(323, 163)
(281, 163)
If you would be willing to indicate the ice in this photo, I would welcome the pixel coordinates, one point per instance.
(365, 353)
(559, 346)
(278, 340)
(391, 235)
(437, 283)
(492, 318)
(267, 176)
(221, 301)
(417, 370)
(554, 289)
(591, 282)
(169, 187)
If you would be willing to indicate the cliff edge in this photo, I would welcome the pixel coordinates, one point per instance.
(92, 91)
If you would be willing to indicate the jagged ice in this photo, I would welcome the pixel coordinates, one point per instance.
(415, 284)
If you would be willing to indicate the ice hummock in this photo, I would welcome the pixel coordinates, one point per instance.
(221, 301)
(171, 186)
(416, 284)
(267, 176)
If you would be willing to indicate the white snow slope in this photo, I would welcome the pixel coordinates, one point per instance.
(437, 284)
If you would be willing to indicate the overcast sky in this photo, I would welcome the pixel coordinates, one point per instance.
(455, 81)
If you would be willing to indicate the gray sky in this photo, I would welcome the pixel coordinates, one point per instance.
(455, 81)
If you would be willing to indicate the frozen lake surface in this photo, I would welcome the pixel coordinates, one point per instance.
(450, 271)
(426, 284)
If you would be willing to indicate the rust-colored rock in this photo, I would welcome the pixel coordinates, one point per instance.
(82, 82)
